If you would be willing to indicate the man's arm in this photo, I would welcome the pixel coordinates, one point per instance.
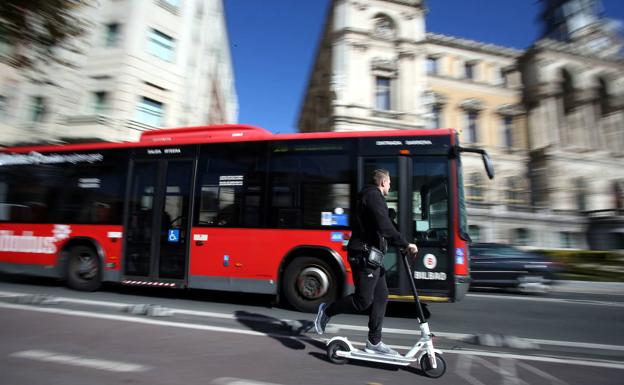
(379, 209)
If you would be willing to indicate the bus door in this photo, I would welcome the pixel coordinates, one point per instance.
(418, 204)
(158, 220)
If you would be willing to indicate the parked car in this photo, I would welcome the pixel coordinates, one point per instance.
(503, 266)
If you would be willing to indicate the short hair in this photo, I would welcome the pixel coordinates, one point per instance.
(379, 176)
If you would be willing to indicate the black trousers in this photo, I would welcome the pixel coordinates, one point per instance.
(371, 294)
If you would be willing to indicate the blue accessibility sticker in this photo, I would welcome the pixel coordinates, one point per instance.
(173, 235)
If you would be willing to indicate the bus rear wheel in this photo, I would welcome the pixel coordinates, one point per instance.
(308, 282)
(83, 269)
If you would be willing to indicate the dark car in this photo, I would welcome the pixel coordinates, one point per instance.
(503, 266)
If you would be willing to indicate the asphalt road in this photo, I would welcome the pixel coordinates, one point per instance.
(59, 336)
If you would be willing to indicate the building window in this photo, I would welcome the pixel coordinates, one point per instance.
(503, 80)
(603, 98)
(100, 102)
(382, 93)
(384, 27)
(112, 35)
(475, 188)
(469, 70)
(161, 45)
(39, 109)
(618, 195)
(475, 233)
(522, 237)
(432, 65)
(567, 88)
(566, 240)
(150, 112)
(3, 107)
(581, 194)
(514, 192)
(471, 125)
(507, 122)
(172, 6)
(436, 116)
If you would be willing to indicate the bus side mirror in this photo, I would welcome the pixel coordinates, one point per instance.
(487, 161)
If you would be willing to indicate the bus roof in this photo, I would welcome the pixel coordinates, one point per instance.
(219, 134)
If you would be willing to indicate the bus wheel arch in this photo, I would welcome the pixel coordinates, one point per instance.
(81, 263)
(311, 275)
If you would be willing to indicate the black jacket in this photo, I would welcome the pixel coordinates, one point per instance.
(371, 222)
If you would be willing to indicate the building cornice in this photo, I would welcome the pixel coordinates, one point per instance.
(571, 49)
(456, 42)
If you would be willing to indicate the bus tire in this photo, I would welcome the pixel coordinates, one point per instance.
(83, 269)
(308, 282)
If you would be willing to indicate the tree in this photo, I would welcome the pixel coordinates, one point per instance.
(35, 31)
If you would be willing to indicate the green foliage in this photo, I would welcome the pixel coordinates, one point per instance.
(32, 31)
(589, 265)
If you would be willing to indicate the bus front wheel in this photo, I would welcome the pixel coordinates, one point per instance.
(83, 269)
(308, 282)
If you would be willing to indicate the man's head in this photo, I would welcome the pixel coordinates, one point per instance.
(381, 179)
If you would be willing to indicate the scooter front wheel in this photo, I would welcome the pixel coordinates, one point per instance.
(429, 371)
(334, 347)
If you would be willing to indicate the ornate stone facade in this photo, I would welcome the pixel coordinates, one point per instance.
(550, 116)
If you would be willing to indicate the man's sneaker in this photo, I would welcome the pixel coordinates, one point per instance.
(321, 319)
(380, 348)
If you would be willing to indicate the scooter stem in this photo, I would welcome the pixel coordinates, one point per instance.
(420, 313)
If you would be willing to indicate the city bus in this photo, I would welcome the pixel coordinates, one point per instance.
(233, 208)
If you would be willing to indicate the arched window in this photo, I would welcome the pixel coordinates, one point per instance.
(384, 27)
(475, 187)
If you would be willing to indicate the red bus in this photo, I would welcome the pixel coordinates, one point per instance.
(232, 208)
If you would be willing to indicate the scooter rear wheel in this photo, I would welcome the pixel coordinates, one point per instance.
(429, 371)
(335, 346)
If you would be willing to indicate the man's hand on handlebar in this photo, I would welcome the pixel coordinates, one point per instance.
(411, 250)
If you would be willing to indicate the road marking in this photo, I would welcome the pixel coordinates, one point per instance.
(79, 313)
(238, 381)
(67, 359)
(331, 327)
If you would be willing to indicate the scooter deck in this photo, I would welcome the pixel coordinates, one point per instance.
(357, 354)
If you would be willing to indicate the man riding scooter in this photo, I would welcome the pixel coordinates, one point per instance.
(372, 230)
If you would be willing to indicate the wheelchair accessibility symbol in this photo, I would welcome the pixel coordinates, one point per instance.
(174, 235)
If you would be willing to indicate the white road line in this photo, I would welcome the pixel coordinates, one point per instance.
(238, 381)
(331, 327)
(584, 362)
(67, 359)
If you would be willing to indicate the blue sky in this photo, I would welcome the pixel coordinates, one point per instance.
(273, 45)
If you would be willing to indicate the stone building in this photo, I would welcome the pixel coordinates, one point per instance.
(550, 116)
(143, 65)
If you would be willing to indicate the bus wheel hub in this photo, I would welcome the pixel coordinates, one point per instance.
(313, 283)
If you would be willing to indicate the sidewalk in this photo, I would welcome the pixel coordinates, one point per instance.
(588, 287)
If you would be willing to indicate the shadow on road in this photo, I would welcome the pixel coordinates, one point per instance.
(288, 333)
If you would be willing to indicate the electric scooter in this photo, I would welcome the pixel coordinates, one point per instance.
(340, 350)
